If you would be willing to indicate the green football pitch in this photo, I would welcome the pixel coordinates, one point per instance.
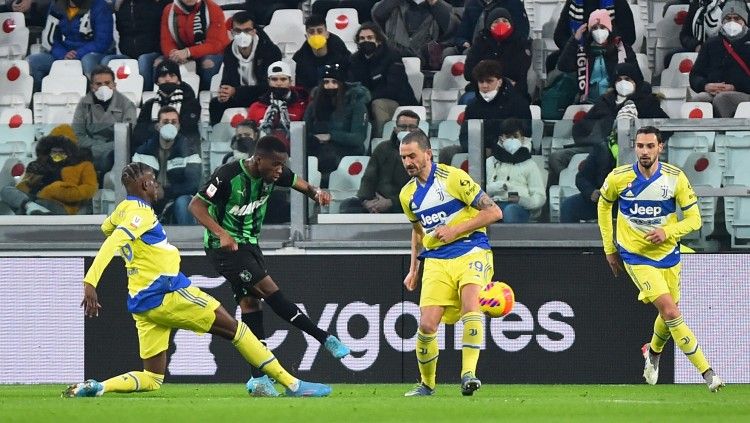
(385, 403)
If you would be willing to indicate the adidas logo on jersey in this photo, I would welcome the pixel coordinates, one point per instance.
(629, 194)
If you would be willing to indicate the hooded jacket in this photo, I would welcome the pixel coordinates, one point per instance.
(90, 30)
(347, 124)
(383, 74)
(310, 68)
(473, 20)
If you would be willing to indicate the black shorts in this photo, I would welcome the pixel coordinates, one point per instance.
(242, 268)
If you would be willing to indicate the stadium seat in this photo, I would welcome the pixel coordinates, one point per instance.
(15, 35)
(17, 128)
(190, 77)
(644, 66)
(343, 22)
(414, 74)
(234, 115)
(449, 130)
(344, 182)
(456, 113)
(313, 177)
(461, 161)
(640, 28)
(681, 145)
(441, 102)
(737, 213)
(562, 133)
(734, 155)
(696, 110)
(54, 109)
(66, 68)
(15, 80)
(217, 151)
(678, 73)
(566, 187)
(540, 11)
(421, 111)
(668, 34)
(537, 127)
(388, 129)
(437, 144)
(451, 74)
(743, 110)
(129, 80)
(287, 26)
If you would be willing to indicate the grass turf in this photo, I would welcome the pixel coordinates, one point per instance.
(385, 403)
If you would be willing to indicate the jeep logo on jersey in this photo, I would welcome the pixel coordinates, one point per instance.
(432, 219)
(248, 208)
(637, 210)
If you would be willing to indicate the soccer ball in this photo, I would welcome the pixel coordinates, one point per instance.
(496, 299)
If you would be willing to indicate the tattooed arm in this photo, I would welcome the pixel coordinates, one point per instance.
(489, 213)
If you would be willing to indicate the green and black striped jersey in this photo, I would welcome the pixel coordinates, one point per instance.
(238, 201)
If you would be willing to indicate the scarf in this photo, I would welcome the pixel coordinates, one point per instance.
(201, 21)
(520, 156)
(173, 99)
(275, 118)
(247, 75)
(707, 19)
(583, 75)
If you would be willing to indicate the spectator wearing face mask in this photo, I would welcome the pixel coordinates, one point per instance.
(380, 69)
(592, 53)
(243, 142)
(499, 41)
(475, 19)
(703, 21)
(171, 91)
(498, 100)
(721, 74)
(177, 166)
(322, 48)
(96, 114)
(61, 180)
(77, 30)
(282, 104)
(385, 175)
(246, 61)
(336, 119)
(514, 181)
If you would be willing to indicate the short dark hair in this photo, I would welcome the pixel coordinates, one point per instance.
(247, 123)
(408, 113)
(511, 126)
(314, 20)
(418, 137)
(100, 70)
(268, 145)
(487, 69)
(243, 16)
(166, 109)
(650, 130)
(372, 27)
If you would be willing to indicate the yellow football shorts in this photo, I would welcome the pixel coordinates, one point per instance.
(442, 280)
(653, 281)
(187, 308)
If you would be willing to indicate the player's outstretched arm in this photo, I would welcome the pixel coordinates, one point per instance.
(411, 279)
(199, 208)
(114, 243)
(316, 194)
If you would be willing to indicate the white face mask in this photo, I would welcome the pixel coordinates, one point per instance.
(103, 93)
(243, 40)
(624, 88)
(511, 145)
(489, 95)
(600, 35)
(418, 2)
(168, 132)
(732, 29)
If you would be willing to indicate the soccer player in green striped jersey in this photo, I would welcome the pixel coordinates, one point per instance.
(232, 206)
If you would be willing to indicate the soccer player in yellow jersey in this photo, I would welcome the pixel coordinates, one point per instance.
(449, 213)
(161, 299)
(648, 194)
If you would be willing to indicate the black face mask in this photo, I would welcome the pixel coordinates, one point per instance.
(330, 92)
(168, 88)
(244, 144)
(279, 93)
(367, 47)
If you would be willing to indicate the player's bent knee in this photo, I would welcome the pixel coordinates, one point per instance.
(428, 328)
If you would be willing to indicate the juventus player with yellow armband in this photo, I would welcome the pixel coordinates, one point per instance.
(648, 194)
(161, 299)
(449, 213)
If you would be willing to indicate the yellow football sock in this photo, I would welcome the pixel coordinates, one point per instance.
(472, 341)
(261, 357)
(427, 355)
(688, 343)
(134, 382)
(661, 334)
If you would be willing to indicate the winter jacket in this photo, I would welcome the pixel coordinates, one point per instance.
(383, 74)
(90, 30)
(94, 126)
(623, 22)
(475, 11)
(524, 178)
(183, 166)
(347, 125)
(714, 64)
(595, 169)
(296, 105)
(190, 113)
(139, 24)
(513, 54)
(408, 27)
(309, 71)
(216, 37)
(266, 52)
(385, 174)
(596, 126)
(77, 182)
(508, 103)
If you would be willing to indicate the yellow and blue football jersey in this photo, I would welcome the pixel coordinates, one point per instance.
(445, 199)
(645, 204)
(152, 263)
